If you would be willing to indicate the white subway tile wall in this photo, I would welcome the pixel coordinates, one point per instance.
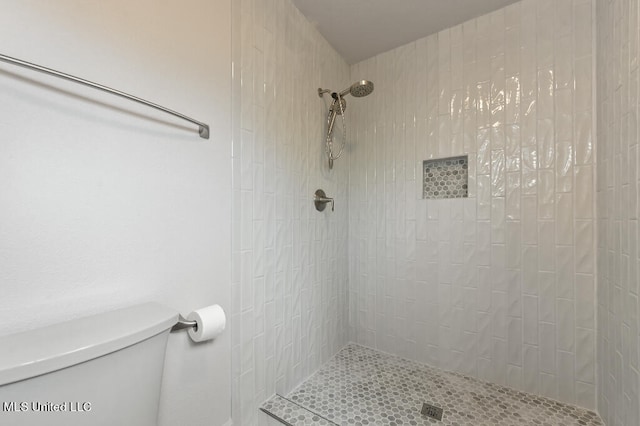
(289, 262)
(618, 258)
(500, 285)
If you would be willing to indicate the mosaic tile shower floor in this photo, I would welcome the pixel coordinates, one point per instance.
(360, 386)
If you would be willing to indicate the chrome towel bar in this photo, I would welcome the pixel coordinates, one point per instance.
(203, 129)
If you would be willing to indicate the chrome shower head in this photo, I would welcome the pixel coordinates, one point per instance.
(359, 89)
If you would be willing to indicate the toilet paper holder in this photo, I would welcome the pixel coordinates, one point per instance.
(184, 323)
(202, 324)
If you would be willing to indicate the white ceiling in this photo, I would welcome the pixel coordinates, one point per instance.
(360, 29)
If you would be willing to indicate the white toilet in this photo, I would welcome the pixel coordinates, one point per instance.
(104, 369)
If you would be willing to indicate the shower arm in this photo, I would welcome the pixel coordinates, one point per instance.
(345, 92)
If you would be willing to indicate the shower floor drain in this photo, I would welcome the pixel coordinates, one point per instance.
(431, 411)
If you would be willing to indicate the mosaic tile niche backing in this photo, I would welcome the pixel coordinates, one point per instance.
(446, 177)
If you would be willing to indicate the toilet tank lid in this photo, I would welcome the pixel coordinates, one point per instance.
(44, 350)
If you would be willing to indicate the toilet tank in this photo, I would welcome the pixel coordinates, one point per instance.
(103, 369)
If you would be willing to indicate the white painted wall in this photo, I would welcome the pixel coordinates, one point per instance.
(104, 203)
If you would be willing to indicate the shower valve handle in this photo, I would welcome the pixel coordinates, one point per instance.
(320, 199)
(326, 200)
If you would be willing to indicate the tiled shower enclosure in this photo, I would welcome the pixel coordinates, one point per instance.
(499, 285)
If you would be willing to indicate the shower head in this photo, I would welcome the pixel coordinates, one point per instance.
(359, 89)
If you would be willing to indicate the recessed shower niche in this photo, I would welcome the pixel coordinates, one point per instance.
(446, 177)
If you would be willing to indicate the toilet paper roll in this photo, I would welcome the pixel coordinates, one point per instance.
(210, 322)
